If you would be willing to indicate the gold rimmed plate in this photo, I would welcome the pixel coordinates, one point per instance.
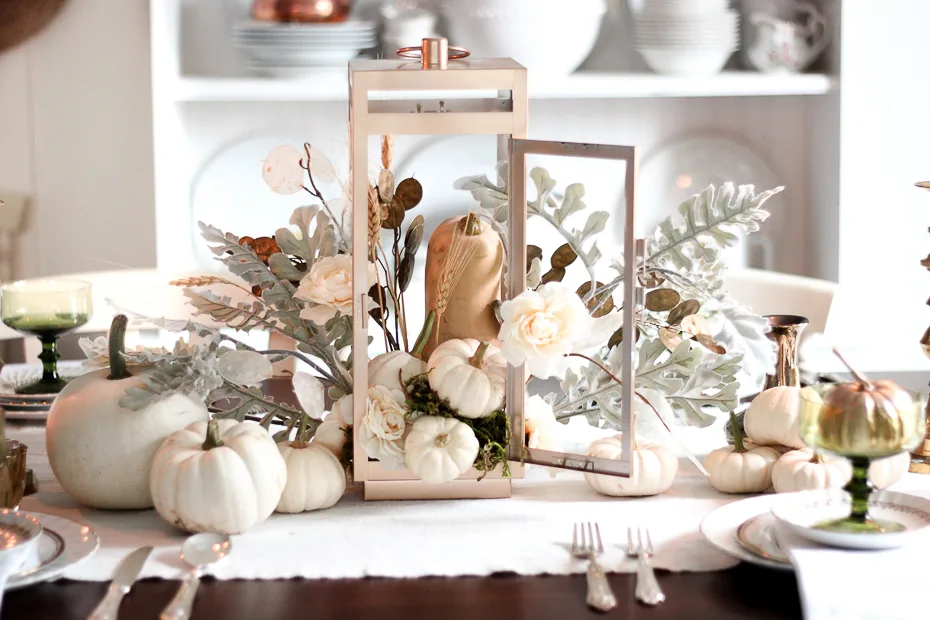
(923, 184)
(757, 536)
(720, 529)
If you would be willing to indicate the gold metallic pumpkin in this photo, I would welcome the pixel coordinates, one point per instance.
(865, 418)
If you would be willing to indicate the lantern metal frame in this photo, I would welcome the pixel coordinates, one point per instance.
(505, 116)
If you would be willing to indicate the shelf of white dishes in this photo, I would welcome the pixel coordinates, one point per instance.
(584, 85)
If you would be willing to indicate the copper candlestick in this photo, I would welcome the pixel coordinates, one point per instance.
(920, 458)
(785, 332)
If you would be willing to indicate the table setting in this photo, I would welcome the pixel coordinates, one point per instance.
(523, 388)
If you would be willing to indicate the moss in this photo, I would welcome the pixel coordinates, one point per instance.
(492, 431)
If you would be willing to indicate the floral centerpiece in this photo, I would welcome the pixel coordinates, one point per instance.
(435, 399)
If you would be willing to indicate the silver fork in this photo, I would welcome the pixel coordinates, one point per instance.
(600, 596)
(647, 587)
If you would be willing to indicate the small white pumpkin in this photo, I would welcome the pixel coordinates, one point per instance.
(227, 483)
(654, 469)
(331, 434)
(885, 472)
(471, 375)
(393, 369)
(741, 468)
(772, 417)
(440, 449)
(315, 478)
(102, 453)
(802, 470)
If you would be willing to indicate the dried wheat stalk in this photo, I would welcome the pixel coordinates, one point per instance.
(461, 251)
(374, 219)
(387, 151)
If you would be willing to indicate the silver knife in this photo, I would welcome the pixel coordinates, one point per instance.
(125, 575)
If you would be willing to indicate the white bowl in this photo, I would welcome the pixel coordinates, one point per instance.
(656, 40)
(716, 21)
(801, 512)
(544, 35)
(683, 7)
(688, 62)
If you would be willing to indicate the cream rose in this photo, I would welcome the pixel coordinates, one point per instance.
(541, 327)
(543, 431)
(384, 428)
(328, 286)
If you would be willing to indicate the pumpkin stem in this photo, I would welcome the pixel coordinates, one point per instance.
(213, 436)
(817, 459)
(738, 446)
(442, 440)
(472, 226)
(423, 338)
(301, 430)
(860, 378)
(117, 344)
(477, 360)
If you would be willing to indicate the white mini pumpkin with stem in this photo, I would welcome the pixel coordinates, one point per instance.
(772, 417)
(471, 375)
(654, 469)
(740, 468)
(440, 449)
(885, 472)
(395, 368)
(100, 451)
(802, 470)
(315, 476)
(223, 476)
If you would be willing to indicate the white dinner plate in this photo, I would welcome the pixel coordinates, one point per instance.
(677, 170)
(802, 512)
(62, 544)
(720, 529)
(30, 406)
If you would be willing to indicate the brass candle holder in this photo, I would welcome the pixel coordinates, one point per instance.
(920, 458)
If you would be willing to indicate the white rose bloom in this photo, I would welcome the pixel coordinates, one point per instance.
(542, 429)
(383, 431)
(541, 327)
(328, 285)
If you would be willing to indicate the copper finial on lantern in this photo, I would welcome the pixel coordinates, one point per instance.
(434, 53)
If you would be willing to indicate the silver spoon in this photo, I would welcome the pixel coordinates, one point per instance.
(197, 552)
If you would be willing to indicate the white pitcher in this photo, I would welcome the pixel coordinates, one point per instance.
(785, 45)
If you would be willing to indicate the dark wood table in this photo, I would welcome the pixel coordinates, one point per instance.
(743, 592)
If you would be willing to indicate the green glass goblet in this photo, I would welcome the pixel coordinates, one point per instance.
(862, 420)
(48, 309)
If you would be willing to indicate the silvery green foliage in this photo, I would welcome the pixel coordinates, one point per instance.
(195, 375)
(692, 379)
(493, 200)
(317, 236)
(279, 309)
(706, 224)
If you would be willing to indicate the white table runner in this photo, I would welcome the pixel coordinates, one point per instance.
(528, 534)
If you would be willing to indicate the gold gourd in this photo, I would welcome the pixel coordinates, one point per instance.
(864, 418)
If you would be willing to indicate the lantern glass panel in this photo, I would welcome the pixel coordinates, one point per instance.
(576, 195)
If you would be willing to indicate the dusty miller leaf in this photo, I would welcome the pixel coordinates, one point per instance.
(706, 224)
(242, 316)
(321, 242)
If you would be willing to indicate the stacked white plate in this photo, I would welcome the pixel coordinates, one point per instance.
(294, 48)
(687, 37)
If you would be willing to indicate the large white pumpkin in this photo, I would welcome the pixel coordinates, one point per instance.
(315, 478)
(102, 453)
(654, 469)
(471, 375)
(225, 481)
(393, 369)
(772, 417)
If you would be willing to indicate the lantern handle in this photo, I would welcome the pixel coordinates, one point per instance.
(434, 53)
